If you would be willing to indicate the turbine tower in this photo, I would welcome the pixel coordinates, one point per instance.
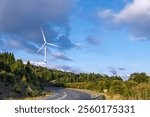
(45, 46)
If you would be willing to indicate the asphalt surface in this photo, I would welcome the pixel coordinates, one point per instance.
(67, 94)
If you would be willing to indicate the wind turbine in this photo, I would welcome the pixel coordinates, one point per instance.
(45, 46)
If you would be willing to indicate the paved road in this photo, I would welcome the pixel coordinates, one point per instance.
(67, 94)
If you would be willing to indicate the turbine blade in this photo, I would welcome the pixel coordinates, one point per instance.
(40, 48)
(44, 38)
(52, 45)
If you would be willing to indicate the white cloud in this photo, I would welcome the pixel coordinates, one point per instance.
(137, 38)
(65, 68)
(134, 10)
(135, 15)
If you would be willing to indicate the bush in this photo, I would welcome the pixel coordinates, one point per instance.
(141, 91)
(117, 87)
(17, 88)
(58, 85)
(139, 77)
(104, 84)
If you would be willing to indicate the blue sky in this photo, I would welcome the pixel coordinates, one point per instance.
(101, 36)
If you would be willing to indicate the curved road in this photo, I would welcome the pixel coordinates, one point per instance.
(67, 94)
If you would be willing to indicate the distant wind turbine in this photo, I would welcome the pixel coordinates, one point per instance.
(45, 47)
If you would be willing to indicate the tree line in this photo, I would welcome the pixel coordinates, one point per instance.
(27, 80)
(136, 87)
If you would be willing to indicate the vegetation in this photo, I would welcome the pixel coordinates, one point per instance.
(26, 80)
(21, 80)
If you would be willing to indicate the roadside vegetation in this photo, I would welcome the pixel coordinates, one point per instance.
(136, 87)
(18, 80)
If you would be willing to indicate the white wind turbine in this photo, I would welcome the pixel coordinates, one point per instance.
(45, 47)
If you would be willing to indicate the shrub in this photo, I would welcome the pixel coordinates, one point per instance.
(117, 87)
(141, 91)
(17, 88)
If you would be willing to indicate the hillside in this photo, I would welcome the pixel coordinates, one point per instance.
(6, 92)
(18, 80)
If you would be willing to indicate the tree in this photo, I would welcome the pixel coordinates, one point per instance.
(117, 87)
(7, 57)
(4, 66)
(104, 84)
(11, 58)
(19, 63)
(139, 77)
(116, 78)
(28, 68)
(141, 91)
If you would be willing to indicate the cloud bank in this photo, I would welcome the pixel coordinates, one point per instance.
(135, 15)
(20, 23)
